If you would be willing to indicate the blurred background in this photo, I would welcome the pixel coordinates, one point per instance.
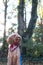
(26, 18)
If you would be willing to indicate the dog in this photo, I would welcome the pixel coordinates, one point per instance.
(14, 40)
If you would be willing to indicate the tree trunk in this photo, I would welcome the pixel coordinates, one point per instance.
(33, 19)
(32, 22)
(4, 37)
(21, 22)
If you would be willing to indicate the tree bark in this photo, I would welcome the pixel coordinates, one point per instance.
(21, 22)
(4, 37)
(33, 19)
(32, 22)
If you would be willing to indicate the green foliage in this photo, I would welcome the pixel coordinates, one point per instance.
(34, 47)
(38, 39)
(29, 44)
(34, 51)
(38, 34)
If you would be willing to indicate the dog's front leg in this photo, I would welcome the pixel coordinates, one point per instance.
(9, 60)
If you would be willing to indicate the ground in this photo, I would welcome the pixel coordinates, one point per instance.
(25, 63)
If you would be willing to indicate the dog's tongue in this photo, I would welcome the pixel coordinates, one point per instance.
(13, 47)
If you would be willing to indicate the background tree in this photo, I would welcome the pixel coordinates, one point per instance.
(4, 37)
(21, 22)
(33, 19)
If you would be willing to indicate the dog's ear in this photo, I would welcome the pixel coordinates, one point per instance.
(18, 39)
(9, 40)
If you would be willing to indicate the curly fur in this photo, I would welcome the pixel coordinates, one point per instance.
(14, 56)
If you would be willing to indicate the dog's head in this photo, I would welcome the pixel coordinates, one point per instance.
(14, 38)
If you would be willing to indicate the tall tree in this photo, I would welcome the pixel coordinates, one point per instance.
(33, 19)
(21, 22)
(4, 37)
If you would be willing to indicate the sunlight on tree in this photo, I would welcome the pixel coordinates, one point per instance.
(40, 10)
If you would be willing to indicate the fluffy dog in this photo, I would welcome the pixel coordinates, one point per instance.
(14, 41)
